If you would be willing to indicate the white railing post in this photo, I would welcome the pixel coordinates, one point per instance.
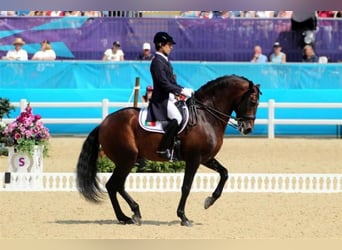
(23, 104)
(271, 107)
(105, 108)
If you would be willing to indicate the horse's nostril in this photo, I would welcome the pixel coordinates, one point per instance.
(247, 131)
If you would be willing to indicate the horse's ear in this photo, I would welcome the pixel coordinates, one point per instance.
(258, 87)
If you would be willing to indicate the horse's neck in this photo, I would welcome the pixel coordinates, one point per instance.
(217, 111)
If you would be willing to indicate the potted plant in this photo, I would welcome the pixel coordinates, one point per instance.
(28, 141)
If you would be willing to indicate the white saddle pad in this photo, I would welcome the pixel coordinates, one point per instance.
(157, 126)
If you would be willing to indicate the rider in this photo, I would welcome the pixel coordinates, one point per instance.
(162, 103)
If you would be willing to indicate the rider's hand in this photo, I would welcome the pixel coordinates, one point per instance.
(187, 92)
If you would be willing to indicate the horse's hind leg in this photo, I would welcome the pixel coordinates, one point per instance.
(112, 187)
(117, 184)
(133, 205)
(216, 166)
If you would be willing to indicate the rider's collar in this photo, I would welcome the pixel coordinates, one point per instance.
(161, 54)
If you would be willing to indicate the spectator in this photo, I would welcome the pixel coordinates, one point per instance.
(114, 54)
(206, 14)
(309, 54)
(37, 13)
(54, 13)
(146, 53)
(18, 53)
(277, 56)
(248, 14)
(46, 53)
(148, 94)
(326, 13)
(338, 14)
(8, 13)
(73, 13)
(284, 13)
(190, 14)
(264, 14)
(258, 57)
(92, 13)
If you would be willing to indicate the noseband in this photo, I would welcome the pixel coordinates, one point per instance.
(243, 98)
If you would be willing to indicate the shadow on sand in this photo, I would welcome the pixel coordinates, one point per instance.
(111, 222)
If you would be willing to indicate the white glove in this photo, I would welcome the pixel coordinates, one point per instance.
(187, 92)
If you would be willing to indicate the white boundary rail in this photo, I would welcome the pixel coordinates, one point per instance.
(271, 105)
(203, 182)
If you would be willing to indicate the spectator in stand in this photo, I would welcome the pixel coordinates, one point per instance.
(55, 13)
(206, 14)
(284, 13)
(114, 54)
(326, 13)
(277, 56)
(46, 53)
(146, 53)
(8, 13)
(92, 13)
(338, 14)
(37, 13)
(73, 13)
(264, 14)
(309, 54)
(190, 13)
(248, 14)
(258, 56)
(147, 96)
(18, 53)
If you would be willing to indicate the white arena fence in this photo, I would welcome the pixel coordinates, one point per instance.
(105, 105)
(171, 182)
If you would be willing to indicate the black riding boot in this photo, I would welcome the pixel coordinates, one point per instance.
(167, 140)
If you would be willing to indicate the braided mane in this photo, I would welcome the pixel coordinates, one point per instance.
(220, 82)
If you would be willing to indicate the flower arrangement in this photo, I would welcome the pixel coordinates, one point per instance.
(26, 132)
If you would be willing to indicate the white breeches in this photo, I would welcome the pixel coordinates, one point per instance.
(172, 110)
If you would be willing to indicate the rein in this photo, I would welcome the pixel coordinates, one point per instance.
(195, 104)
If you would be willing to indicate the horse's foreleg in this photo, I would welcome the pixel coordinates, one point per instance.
(216, 166)
(133, 205)
(190, 171)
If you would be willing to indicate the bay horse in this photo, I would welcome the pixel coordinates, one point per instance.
(124, 141)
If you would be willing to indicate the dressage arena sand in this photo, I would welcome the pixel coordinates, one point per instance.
(66, 215)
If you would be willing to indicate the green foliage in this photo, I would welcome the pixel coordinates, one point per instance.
(3, 149)
(163, 167)
(5, 107)
(105, 165)
(27, 146)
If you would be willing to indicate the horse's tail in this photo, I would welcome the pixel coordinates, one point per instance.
(87, 182)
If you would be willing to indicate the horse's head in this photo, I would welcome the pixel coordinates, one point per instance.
(246, 109)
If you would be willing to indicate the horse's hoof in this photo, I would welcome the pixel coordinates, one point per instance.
(127, 222)
(136, 219)
(208, 202)
(186, 223)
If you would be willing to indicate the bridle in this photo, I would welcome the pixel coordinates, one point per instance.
(223, 117)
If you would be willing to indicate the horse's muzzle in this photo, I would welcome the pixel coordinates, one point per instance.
(245, 126)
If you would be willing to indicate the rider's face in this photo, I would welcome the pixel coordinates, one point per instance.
(166, 49)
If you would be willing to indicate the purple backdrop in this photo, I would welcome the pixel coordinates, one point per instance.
(84, 38)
